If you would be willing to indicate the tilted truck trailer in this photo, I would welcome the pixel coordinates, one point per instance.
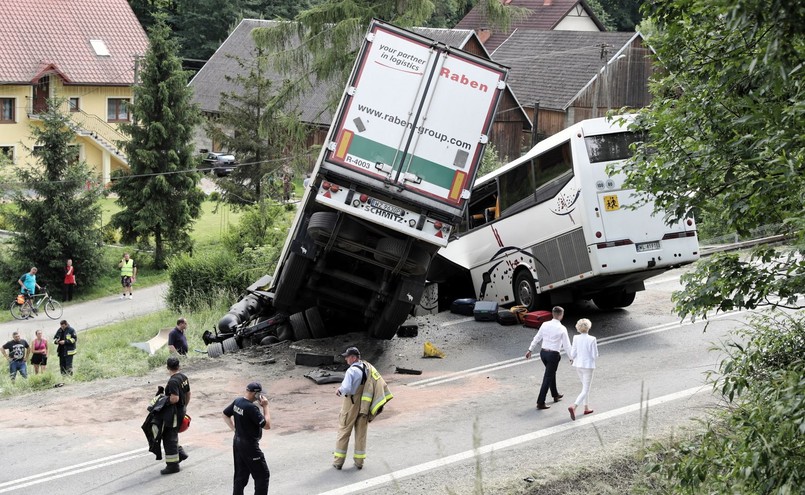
(391, 183)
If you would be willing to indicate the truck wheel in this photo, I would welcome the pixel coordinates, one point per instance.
(230, 345)
(293, 273)
(284, 332)
(300, 330)
(525, 292)
(390, 250)
(215, 350)
(392, 316)
(351, 236)
(315, 324)
(321, 224)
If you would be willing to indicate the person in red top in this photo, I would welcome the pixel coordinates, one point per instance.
(69, 281)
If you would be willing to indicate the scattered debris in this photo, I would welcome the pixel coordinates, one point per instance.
(529, 479)
(408, 331)
(311, 359)
(432, 351)
(407, 371)
(321, 376)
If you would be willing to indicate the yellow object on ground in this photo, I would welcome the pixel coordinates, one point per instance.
(432, 351)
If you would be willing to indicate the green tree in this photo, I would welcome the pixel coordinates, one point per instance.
(257, 123)
(618, 15)
(160, 196)
(727, 140)
(58, 215)
(321, 44)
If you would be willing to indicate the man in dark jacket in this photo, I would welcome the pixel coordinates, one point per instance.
(178, 392)
(65, 341)
(248, 422)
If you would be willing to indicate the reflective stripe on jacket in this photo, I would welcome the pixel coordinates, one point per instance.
(375, 392)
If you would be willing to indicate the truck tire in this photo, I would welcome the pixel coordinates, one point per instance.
(293, 274)
(284, 332)
(321, 224)
(314, 323)
(351, 236)
(390, 250)
(300, 330)
(230, 345)
(392, 316)
(215, 350)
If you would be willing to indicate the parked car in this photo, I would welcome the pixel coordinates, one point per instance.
(221, 164)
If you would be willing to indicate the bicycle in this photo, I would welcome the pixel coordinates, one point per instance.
(53, 308)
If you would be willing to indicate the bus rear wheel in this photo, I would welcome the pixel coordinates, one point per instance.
(614, 299)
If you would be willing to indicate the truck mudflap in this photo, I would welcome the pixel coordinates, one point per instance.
(377, 211)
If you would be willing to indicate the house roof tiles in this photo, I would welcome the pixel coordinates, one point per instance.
(541, 17)
(42, 36)
(551, 67)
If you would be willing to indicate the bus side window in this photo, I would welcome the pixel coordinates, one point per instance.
(554, 170)
(483, 205)
(515, 186)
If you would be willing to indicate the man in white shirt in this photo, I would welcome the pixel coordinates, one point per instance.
(554, 338)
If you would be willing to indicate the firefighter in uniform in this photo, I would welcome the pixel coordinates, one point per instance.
(362, 401)
(248, 422)
(178, 392)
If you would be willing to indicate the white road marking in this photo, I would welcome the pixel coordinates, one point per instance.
(83, 467)
(458, 375)
(511, 442)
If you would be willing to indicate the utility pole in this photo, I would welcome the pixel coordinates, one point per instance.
(600, 76)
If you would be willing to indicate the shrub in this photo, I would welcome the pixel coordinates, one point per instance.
(200, 279)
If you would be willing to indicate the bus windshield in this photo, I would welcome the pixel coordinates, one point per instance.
(610, 147)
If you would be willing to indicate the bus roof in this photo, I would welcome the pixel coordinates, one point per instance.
(589, 127)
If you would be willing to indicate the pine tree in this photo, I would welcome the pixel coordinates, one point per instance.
(160, 196)
(257, 123)
(58, 214)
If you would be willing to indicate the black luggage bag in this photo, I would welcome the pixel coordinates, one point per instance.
(463, 306)
(485, 311)
(506, 317)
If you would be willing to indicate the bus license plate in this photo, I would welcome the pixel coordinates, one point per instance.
(386, 207)
(647, 246)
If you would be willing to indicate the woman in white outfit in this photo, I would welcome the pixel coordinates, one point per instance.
(583, 354)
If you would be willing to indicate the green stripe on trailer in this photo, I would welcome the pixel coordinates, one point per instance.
(429, 171)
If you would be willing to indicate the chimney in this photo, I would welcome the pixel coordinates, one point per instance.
(483, 34)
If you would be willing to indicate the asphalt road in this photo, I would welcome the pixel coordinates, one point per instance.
(90, 314)
(469, 418)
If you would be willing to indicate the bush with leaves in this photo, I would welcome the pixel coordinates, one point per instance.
(200, 280)
(756, 445)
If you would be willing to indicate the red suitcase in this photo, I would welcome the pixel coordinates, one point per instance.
(536, 318)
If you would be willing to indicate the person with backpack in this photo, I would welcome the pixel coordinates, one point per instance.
(364, 394)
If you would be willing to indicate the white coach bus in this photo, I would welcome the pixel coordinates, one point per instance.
(553, 227)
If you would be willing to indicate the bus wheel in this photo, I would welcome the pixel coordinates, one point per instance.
(525, 292)
(614, 299)
(321, 224)
(293, 274)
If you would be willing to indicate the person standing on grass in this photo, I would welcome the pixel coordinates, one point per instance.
(16, 352)
(39, 353)
(65, 341)
(583, 354)
(177, 340)
(128, 274)
(69, 281)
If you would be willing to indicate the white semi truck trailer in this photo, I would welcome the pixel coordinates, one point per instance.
(391, 183)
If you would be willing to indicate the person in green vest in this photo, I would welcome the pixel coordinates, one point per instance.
(128, 274)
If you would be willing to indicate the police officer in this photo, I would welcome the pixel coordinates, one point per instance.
(248, 422)
(178, 392)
